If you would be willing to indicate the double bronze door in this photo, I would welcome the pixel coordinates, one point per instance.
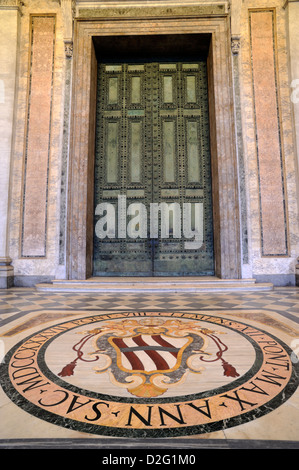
(153, 201)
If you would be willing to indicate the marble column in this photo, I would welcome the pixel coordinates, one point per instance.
(9, 40)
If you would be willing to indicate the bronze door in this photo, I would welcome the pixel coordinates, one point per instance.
(153, 201)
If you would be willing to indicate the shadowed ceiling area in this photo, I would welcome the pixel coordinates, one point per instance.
(152, 47)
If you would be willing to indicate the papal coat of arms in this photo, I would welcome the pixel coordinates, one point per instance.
(149, 356)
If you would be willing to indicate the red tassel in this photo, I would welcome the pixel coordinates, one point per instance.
(68, 369)
(229, 370)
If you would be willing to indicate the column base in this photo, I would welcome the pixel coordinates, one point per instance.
(6, 273)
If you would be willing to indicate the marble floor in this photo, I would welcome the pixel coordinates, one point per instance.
(165, 370)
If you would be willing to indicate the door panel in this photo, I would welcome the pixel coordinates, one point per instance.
(123, 169)
(152, 171)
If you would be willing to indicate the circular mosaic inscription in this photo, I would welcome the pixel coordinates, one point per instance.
(149, 374)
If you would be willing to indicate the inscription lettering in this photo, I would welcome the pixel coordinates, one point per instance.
(150, 414)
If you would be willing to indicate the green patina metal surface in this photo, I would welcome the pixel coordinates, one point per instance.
(152, 146)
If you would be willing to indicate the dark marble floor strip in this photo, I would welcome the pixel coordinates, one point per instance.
(152, 445)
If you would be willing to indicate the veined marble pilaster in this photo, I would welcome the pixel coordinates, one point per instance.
(38, 137)
(68, 10)
(274, 237)
(292, 8)
(8, 67)
(235, 17)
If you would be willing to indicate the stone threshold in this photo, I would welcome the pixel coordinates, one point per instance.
(153, 285)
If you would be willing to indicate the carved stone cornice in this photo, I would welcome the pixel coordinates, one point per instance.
(235, 44)
(9, 3)
(68, 10)
(150, 11)
(289, 1)
(68, 48)
(12, 5)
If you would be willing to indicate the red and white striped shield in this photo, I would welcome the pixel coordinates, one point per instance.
(149, 353)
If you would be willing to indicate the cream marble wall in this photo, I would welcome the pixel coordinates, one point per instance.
(36, 267)
(50, 266)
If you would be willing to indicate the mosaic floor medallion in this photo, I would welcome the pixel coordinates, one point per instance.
(149, 374)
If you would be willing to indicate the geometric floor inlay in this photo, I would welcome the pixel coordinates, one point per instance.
(149, 373)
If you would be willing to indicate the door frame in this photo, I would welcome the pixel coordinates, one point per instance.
(226, 213)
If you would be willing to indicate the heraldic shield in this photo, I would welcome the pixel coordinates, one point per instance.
(149, 353)
(148, 356)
